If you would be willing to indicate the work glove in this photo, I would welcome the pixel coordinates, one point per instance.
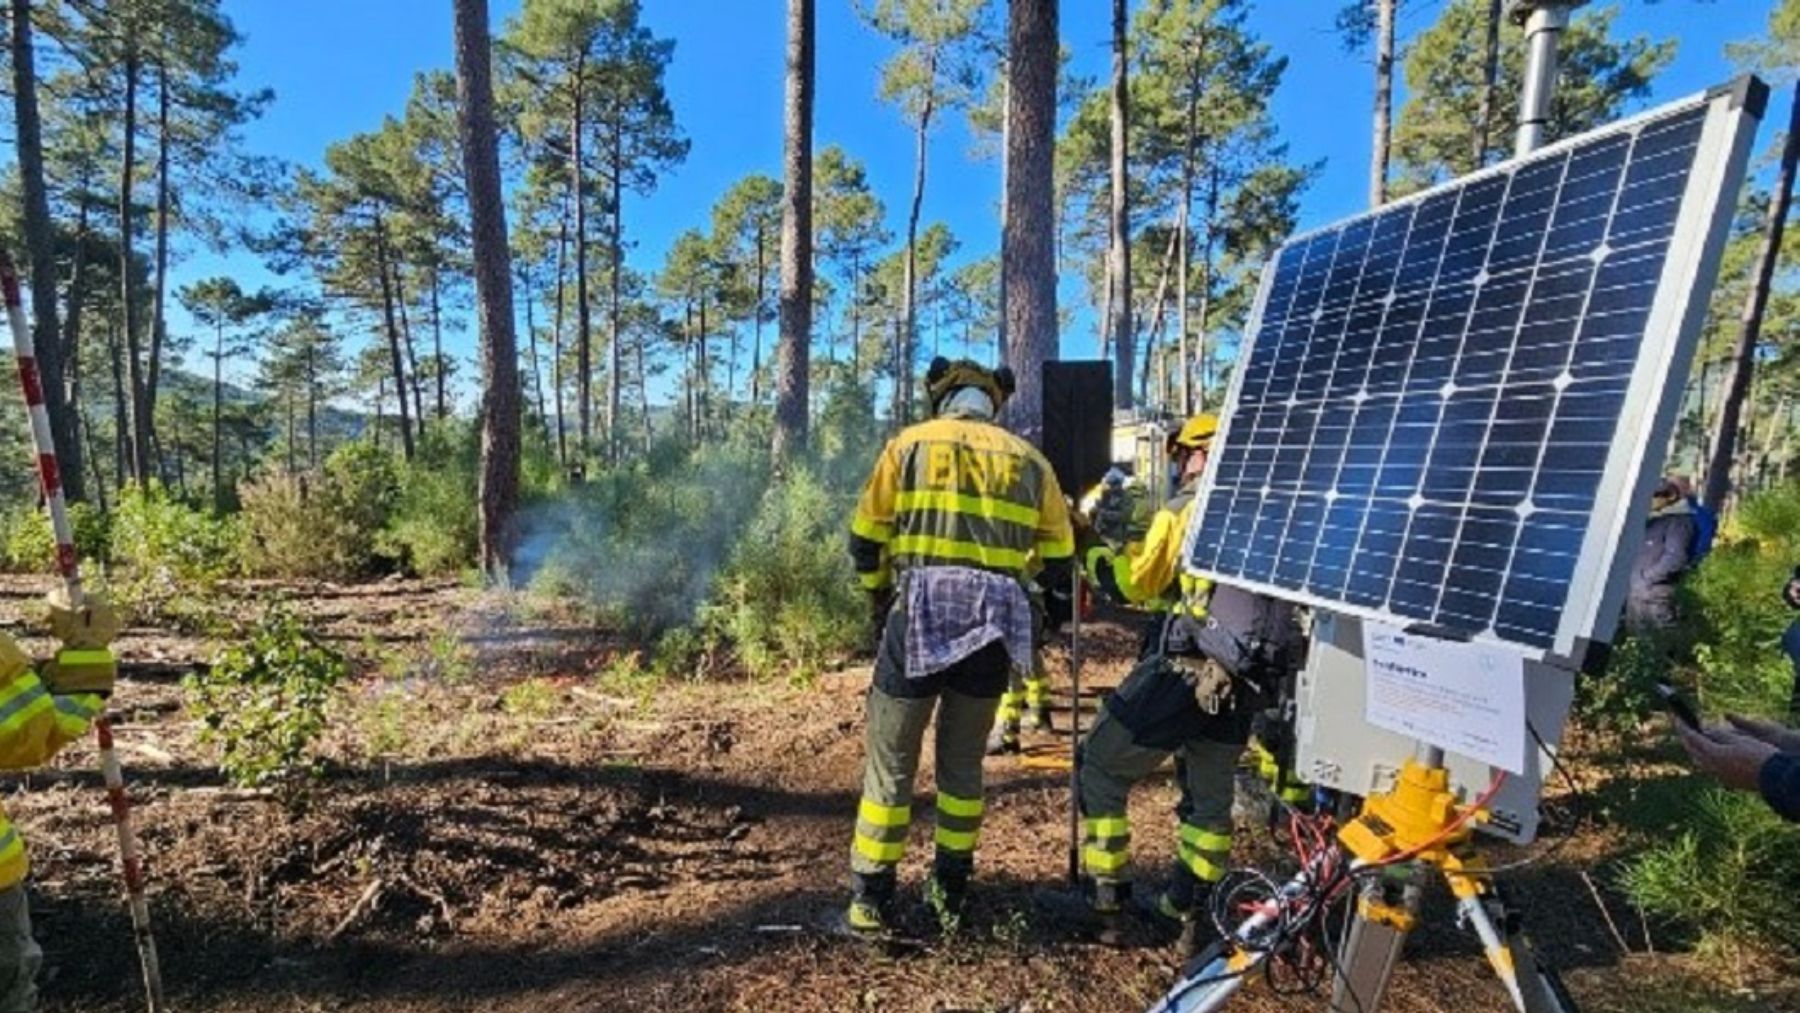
(91, 627)
(83, 664)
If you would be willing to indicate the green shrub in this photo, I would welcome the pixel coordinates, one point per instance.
(27, 545)
(1731, 874)
(263, 700)
(788, 601)
(324, 524)
(433, 526)
(153, 530)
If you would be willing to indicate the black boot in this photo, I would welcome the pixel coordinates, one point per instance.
(947, 892)
(871, 903)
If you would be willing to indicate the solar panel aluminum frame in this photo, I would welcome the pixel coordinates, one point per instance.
(1652, 400)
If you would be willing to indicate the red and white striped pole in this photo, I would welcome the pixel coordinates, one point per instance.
(67, 564)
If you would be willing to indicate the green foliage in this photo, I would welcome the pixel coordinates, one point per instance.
(1434, 135)
(1732, 873)
(166, 553)
(433, 528)
(786, 602)
(262, 703)
(28, 546)
(1619, 701)
(324, 524)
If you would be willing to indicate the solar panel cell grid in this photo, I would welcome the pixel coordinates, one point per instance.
(1432, 390)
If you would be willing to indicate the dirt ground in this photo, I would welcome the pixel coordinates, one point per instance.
(515, 820)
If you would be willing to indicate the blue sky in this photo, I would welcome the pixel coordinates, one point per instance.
(338, 66)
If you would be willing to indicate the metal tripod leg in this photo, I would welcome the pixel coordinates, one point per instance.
(1386, 912)
(1534, 986)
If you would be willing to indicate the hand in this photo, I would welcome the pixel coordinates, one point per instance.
(91, 627)
(1735, 759)
(1786, 740)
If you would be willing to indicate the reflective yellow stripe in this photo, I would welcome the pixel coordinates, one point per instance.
(991, 556)
(1060, 548)
(955, 840)
(70, 656)
(24, 684)
(874, 531)
(1108, 826)
(1294, 794)
(878, 851)
(950, 805)
(23, 709)
(1201, 866)
(1205, 840)
(873, 581)
(959, 503)
(876, 814)
(1106, 862)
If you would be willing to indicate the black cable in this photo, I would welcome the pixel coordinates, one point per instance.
(1575, 791)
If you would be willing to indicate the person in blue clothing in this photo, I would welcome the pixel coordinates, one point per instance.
(1666, 553)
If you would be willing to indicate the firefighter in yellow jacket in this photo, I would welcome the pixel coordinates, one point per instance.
(40, 712)
(1183, 699)
(953, 515)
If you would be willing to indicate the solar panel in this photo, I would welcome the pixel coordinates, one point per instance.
(1448, 412)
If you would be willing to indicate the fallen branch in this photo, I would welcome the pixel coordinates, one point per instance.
(370, 896)
(1600, 903)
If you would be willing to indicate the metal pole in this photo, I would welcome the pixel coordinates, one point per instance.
(1544, 21)
(1076, 590)
(50, 478)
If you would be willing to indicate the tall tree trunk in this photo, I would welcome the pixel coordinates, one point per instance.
(1183, 325)
(616, 263)
(493, 290)
(312, 405)
(159, 328)
(1384, 101)
(1119, 287)
(287, 401)
(416, 380)
(531, 346)
(643, 385)
(705, 369)
(115, 347)
(1028, 271)
(1157, 303)
(584, 352)
(756, 346)
(903, 350)
(556, 348)
(218, 405)
(380, 403)
(1206, 282)
(437, 347)
(1000, 343)
(134, 363)
(1743, 360)
(40, 248)
(855, 319)
(1490, 78)
(393, 336)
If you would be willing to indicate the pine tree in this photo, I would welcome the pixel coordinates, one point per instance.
(796, 301)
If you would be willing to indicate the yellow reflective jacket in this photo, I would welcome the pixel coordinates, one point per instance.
(1152, 576)
(34, 724)
(959, 491)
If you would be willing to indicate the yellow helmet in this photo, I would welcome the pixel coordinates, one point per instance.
(944, 376)
(1196, 434)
